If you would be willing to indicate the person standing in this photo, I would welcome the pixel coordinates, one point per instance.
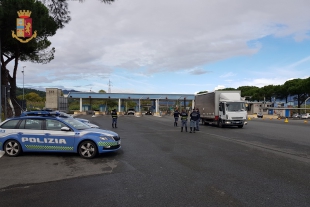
(114, 118)
(184, 116)
(176, 115)
(197, 122)
(194, 117)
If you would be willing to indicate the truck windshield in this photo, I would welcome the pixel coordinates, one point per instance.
(235, 106)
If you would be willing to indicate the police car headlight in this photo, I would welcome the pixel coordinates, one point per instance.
(104, 138)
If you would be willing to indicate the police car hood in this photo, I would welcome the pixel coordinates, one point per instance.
(101, 131)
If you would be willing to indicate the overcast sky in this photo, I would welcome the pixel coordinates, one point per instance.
(176, 46)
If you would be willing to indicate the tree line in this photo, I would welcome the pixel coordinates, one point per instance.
(297, 88)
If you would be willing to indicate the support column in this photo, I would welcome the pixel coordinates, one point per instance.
(193, 104)
(119, 105)
(157, 107)
(81, 103)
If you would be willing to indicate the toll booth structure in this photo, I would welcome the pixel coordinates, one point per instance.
(155, 98)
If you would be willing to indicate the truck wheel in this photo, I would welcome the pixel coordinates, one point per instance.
(220, 124)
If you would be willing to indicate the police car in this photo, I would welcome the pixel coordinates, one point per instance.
(43, 131)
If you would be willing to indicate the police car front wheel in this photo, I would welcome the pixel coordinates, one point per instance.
(88, 149)
(12, 148)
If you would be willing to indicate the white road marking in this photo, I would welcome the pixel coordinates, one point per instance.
(1, 153)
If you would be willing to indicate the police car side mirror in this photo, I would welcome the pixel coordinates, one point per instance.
(65, 129)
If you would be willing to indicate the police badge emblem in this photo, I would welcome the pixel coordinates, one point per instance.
(24, 27)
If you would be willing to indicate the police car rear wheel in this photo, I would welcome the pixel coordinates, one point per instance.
(12, 148)
(88, 149)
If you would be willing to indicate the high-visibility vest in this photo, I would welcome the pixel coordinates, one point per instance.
(184, 116)
(114, 115)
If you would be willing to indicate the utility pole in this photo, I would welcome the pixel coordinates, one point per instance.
(109, 84)
(23, 88)
(0, 83)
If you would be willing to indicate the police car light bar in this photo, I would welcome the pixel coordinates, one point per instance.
(40, 113)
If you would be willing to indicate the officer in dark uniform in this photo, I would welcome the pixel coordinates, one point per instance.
(184, 116)
(114, 118)
(197, 122)
(176, 115)
(194, 117)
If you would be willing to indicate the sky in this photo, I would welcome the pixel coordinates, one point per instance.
(176, 46)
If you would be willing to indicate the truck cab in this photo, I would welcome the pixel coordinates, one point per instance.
(232, 114)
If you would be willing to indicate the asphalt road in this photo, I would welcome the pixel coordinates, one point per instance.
(266, 163)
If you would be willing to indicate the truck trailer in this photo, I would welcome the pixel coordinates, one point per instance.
(222, 108)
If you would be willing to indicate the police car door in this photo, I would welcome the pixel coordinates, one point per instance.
(31, 134)
(56, 139)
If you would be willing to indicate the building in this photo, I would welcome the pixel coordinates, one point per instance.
(55, 100)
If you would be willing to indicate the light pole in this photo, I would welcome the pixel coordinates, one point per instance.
(140, 104)
(157, 110)
(306, 104)
(23, 88)
(183, 102)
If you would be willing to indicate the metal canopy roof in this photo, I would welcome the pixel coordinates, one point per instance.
(130, 96)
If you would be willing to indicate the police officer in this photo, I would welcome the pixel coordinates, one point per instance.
(184, 116)
(194, 117)
(114, 118)
(197, 122)
(176, 115)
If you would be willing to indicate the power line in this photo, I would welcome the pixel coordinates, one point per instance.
(109, 84)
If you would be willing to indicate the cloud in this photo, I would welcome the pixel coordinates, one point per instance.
(151, 37)
(304, 60)
(198, 71)
(229, 74)
(219, 87)
(175, 40)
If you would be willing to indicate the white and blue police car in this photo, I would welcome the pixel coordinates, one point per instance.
(44, 131)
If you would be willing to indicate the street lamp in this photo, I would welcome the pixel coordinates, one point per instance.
(157, 110)
(184, 103)
(140, 104)
(23, 87)
(306, 104)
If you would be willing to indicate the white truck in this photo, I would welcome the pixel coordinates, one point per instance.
(223, 108)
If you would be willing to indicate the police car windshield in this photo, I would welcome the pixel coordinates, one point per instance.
(76, 124)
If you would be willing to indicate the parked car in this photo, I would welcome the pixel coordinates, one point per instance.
(85, 121)
(296, 116)
(148, 113)
(305, 116)
(44, 131)
(131, 111)
(65, 115)
(260, 115)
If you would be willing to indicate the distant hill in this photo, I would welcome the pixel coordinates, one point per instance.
(67, 91)
(19, 91)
